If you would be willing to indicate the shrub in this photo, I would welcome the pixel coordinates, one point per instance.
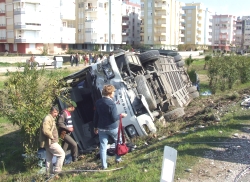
(25, 100)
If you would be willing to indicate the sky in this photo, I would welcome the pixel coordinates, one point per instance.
(232, 7)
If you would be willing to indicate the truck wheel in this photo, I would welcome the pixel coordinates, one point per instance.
(180, 63)
(177, 58)
(191, 89)
(176, 113)
(149, 56)
(144, 89)
(194, 94)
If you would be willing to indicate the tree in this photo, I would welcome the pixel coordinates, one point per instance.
(207, 58)
(25, 100)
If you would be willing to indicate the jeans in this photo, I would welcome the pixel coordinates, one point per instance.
(54, 150)
(103, 137)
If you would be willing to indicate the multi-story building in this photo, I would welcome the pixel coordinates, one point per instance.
(224, 27)
(34, 26)
(198, 24)
(246, 32)
(160, 26)
(238, 34)
(92, 24)
(131, 23)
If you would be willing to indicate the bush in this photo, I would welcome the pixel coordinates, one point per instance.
(25, 100)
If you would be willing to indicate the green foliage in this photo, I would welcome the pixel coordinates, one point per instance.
(126, 47)
(96, 47)
(26, 98)
(189, 61)
(192, 75)
(225, 71)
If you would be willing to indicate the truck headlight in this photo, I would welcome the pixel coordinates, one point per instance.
(131, 131)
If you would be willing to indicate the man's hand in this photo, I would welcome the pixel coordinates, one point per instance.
(96, 131)
(123, 115)
(71, 129)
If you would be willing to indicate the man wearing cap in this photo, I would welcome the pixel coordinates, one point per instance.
(65, 125)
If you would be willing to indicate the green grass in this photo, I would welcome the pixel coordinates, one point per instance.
(5, 64)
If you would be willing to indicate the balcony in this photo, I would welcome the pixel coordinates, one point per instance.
(182, 28)
(27, 26)
(160, 25)
(90, 20)
(181, 34)
(160, 7)
(3, 39)
(19, 11)
(20, 40)
(198, 36)
(198, 29)
(199, 22)
(90, 30)
(2, 25)
(182, 20)
(125, 23)
(91, 9)
(199, 15)
(160, 15)
(159, 32)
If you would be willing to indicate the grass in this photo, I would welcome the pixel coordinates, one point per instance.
(143, 164)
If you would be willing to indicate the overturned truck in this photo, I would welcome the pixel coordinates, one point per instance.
(147, 85)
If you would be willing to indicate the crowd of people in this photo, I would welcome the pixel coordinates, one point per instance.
(106, 120)
(86, 59)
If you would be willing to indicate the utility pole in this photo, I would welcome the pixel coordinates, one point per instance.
(109, 45)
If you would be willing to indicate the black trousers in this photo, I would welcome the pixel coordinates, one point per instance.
(70, 142)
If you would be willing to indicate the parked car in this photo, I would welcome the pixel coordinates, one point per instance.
(42, 60)
(146, 86)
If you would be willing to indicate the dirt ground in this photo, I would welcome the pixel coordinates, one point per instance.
(226, 161)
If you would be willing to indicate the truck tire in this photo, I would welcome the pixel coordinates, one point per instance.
(191, 89)
(180, 63)
(177, 58)
(174, 114)
(194, 94)
(144, 89)
(149, 56)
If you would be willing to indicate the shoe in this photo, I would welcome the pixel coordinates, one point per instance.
(74, 159)
(118, 161)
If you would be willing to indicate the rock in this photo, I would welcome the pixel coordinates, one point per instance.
(188, 170)
(236, 135)
(161, 138)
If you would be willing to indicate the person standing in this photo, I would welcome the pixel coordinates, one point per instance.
(32, 61)
(76, 59)
(65, 125)
(106, 120)
(71, 58)
(49, 139)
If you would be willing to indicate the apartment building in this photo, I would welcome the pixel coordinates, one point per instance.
(245, 32)
(92, 24)
(131, 22)
(238, 34)
(198, 24)
(31, 26)
(224, 27)
(161, 26)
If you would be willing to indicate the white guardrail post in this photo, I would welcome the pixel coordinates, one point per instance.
(168, 164)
